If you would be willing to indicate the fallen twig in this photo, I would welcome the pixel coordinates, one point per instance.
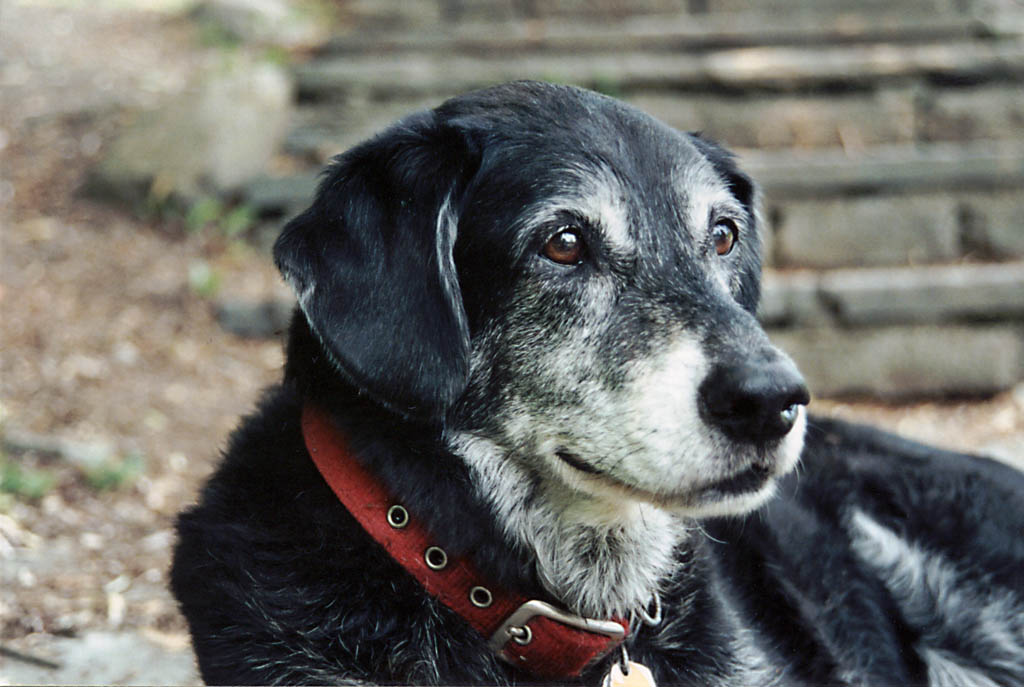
(28, 658)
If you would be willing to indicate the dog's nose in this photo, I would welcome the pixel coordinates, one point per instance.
(754, 400)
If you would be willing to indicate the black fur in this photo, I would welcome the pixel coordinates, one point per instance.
(406, 339)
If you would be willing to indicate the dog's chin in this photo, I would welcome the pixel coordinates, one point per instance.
(743, 492)
(734, 493)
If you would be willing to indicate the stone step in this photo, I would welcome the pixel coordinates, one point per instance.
(757, 120)
(921, 331)
(322, 130)
(960, 293)
(728, 6)
(428, 13)
(887, 169)
(676, 33)
(893, 205)
(808, 176)
(897, 229)
(778, 68)
(907, 361)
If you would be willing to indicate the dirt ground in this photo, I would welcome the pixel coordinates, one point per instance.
(109, 342)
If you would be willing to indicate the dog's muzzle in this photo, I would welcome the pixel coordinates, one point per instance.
(755, 399)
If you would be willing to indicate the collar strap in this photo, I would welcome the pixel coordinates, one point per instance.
(529, 634)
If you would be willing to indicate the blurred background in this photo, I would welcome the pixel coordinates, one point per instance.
(151, 150)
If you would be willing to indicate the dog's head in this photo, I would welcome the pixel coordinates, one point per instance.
(556, 272)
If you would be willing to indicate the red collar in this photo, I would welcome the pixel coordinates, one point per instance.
(529, 634)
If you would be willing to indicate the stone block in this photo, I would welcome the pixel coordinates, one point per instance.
(789, 120)
(994, 224)
(601, 9)
(393, 14)
(867, 231)
(982, 112)
(907, 361)
(823, 6)
(791, 298)
(925, 294)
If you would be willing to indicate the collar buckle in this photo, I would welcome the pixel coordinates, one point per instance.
(516, 628)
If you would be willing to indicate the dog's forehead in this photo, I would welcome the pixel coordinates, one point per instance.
(641, 185)
(561, 150)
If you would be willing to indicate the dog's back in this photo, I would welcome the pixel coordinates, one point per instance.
(894, 561)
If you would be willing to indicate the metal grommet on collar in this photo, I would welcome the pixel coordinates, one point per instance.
(435, 557)
(398, 516)
(480, 597)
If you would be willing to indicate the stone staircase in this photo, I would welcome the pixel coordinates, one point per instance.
(888, 137)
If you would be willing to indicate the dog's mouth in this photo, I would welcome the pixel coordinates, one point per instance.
(749, 480)
(578, 463)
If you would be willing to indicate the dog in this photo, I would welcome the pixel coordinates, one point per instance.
(530, 430)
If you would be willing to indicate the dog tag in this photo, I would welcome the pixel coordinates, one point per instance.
(639, 676)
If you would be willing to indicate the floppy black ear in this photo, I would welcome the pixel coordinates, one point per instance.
(746, 191)
(371, 264)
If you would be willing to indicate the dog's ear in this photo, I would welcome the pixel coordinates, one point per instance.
(371, 263)
(747, 192)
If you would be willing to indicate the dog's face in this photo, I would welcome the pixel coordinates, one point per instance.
(569, 279)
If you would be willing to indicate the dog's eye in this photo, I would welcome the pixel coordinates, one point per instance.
(724, 235)
(565, 247)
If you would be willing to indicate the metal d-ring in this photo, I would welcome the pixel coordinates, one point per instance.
(521, 635)
(651, 619)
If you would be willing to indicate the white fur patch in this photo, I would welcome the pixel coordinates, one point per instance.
(943, 603)
(599, 558)
(944, 671)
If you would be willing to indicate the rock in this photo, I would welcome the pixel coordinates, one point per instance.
(283, 195)
(103, 658)
(213, 140)
(262, 319)
(264, 22)
(82, 454)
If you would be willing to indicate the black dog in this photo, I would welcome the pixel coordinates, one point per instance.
(527, 404)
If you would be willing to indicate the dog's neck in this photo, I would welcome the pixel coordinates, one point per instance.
(598, 558)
